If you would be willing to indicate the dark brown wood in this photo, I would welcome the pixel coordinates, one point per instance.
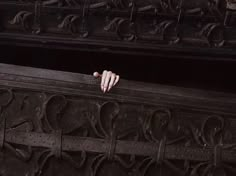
(60, 123)
(181, 28)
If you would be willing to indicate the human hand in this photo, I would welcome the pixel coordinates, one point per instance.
(108, 79)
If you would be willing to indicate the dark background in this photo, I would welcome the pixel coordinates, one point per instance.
(204, 74)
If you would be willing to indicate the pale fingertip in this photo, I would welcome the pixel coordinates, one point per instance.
(117, 80)
(112, 79)
(106, 80)
(103, 78)
(109, 88)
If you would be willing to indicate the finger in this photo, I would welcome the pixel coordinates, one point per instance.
(103, 79)
(107, 79)
(116, 80)
(96, 74)
(112, 80)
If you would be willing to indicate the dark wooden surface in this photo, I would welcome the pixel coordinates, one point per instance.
(193, 44)
(187, 29)
(57, 123)
(60, 123)
(193, 73)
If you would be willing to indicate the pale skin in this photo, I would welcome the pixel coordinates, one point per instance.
(108, 80)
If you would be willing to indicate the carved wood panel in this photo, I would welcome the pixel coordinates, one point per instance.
(203, 26)
(57, 123)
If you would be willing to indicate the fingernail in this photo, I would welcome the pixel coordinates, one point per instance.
(105, 89)
(109, 88)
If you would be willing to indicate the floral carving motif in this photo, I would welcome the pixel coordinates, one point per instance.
(22, 18)
(158, 127)
(105, 127)
(24, 153)
(212, 134)
(52, 112)
(88, 135)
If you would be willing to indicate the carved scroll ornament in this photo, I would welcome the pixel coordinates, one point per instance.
(45, 132)
(167, 23)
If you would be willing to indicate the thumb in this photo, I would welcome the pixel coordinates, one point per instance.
(96, 74)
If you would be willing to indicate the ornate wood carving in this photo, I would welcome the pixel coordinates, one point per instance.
(205, 26)
(60, 123)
